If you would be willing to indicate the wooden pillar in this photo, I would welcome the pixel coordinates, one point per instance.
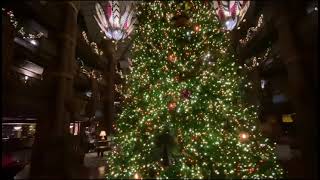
(300, 94)
(51, 152)
(109, 75)
(7, 47)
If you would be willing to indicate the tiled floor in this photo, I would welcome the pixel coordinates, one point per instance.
(96, 165)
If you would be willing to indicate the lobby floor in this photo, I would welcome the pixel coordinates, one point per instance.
(94, 168)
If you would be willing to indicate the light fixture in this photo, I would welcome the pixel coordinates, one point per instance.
(17, 128)
(114, 25)
(244, 136)
(230, 13)
(230, 23)
(287, 118)
(136, 176)
(197, 28)
(103, 134)
(88, 93)
(263, 83)
(33, 42)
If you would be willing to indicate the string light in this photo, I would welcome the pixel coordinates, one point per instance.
(256, 61)
(20, 29)
(252, 31)
(90, 73)
(93, 45)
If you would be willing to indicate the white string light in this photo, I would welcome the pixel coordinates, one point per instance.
(252, 31)
(93, 45)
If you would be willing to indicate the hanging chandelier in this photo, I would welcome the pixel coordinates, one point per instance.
(114, 25)
(230, 13)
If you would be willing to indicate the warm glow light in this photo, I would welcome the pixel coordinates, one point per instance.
(197, 28)
(136, 176)
(172, 105)
(103, 134)
(17, 128)
(244, 136)
(172, 58)
(286, 118)
(186, 118)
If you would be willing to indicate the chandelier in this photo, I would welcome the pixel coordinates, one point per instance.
(114, 25)
(230, 13)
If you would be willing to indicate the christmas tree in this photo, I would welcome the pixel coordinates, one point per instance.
(185, 115)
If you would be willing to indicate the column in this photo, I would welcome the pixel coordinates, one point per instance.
(7, 47)
(300, 94)
(51, 154)
(109, 75)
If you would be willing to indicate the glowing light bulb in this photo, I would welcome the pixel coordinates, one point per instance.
(197, 28)
(244, 136)
(136, 176)
(17, 128)
(33, 42)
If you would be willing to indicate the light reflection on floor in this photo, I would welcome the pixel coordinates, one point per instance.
(102, 170)
(96, 165)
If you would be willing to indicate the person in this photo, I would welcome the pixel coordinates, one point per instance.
(99, 149)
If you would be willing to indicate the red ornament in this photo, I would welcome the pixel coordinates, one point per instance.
(172, 105)
(251, 170)
(185, 94)
(177, 78)
(197, 28)
(172, 58)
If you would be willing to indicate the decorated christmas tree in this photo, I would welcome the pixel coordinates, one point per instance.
(185, 115)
